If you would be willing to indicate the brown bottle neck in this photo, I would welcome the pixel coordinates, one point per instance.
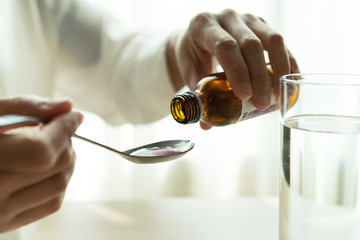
(187, 108)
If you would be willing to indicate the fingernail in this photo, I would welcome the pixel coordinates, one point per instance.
(80, 117)
(263, 101)
(62, 99)
(246, 90)
(58, 103)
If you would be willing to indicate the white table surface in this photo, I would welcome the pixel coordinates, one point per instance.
(164, 219)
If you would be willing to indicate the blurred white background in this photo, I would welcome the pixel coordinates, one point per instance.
(239, 160)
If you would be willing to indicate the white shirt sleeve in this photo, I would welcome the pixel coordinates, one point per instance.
(72, 48)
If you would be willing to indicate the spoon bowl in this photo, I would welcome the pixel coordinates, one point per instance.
(159, 151)
(150, 153)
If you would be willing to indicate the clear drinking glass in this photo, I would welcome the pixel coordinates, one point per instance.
(320, 168)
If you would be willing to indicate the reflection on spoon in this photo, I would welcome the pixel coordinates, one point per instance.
(155, 152)
(150, 153)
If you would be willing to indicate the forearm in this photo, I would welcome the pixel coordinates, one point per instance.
(122, 69)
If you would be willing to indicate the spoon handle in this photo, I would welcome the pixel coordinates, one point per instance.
(97, 143)
(8, 122)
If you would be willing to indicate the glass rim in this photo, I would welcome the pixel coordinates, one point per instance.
(304, 79)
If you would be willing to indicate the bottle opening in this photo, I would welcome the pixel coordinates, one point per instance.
(177, 109)
(186, 108)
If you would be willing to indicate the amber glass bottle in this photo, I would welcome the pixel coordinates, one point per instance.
(214, 102)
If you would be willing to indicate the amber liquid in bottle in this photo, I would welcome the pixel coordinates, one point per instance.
(214, 102)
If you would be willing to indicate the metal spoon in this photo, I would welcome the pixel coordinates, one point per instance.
(151, 153)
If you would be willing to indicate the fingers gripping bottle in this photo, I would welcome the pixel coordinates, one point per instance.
(214, 103)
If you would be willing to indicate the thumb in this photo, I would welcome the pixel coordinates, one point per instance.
(204, 126)
(38, 152)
